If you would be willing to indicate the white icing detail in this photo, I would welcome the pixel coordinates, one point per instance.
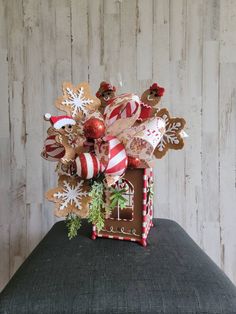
(63, 122)
(107, 98)
(170, 134)
(71, 195)
(77, 101)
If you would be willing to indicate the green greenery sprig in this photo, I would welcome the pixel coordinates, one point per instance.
(96, 214)
(73, 223)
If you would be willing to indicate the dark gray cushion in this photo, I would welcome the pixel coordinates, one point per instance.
(171, 275)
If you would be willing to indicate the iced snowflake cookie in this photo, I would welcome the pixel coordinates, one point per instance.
(71, 196)
(172, 138)
(77, 101)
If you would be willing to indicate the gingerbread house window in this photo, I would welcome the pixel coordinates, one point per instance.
(126, 213)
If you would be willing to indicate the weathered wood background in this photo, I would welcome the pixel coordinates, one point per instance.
(188, 46)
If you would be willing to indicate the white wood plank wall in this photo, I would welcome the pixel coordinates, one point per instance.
(188, 46)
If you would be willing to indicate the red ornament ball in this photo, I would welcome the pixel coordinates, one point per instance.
(94, 128)
(133, 162)
(87, 165)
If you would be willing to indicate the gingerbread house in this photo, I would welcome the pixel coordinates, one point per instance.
(134, 221)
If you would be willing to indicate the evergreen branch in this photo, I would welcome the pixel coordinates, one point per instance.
(96, 216)
(73, 223)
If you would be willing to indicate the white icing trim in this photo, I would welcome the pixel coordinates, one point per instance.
(62, 122)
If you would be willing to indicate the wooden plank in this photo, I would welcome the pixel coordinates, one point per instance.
(34, 125)
(209, 227)
(5, 257)
(111, 42)
(227, 34)
(35, 230)
(17, 227)
(193, 115)
(144, 40)
(128, 54)
(177, 105)
(210, 162)
(227, 153)
(161, 75)
(63, 42)
(63, 71)
(4, 125)
(211, 19)
(227, 144)
(49, 87)
(96, 43)
(177, 30)
(79, 36)
(4, 152)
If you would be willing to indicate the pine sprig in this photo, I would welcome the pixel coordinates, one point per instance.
(96, 214)
(73, 223)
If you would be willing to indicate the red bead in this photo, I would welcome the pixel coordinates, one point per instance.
(94, 128)
(133, 162)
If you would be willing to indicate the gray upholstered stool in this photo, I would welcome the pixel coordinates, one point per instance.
(171, 275)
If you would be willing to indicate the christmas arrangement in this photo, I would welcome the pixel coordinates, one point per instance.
(104, 147)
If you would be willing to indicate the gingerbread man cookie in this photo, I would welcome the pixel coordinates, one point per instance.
(71, 196)
(151, 97)
(105, 93)
(77, 101)
(68, 134)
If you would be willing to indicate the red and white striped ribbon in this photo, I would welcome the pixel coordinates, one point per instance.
(121, 107)
(113, 158)
(118, 160)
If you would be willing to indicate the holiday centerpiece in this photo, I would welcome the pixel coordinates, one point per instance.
(104, 147)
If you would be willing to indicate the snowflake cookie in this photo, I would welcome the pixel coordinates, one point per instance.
(172, 137)
(77, 101)
(71, 196)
